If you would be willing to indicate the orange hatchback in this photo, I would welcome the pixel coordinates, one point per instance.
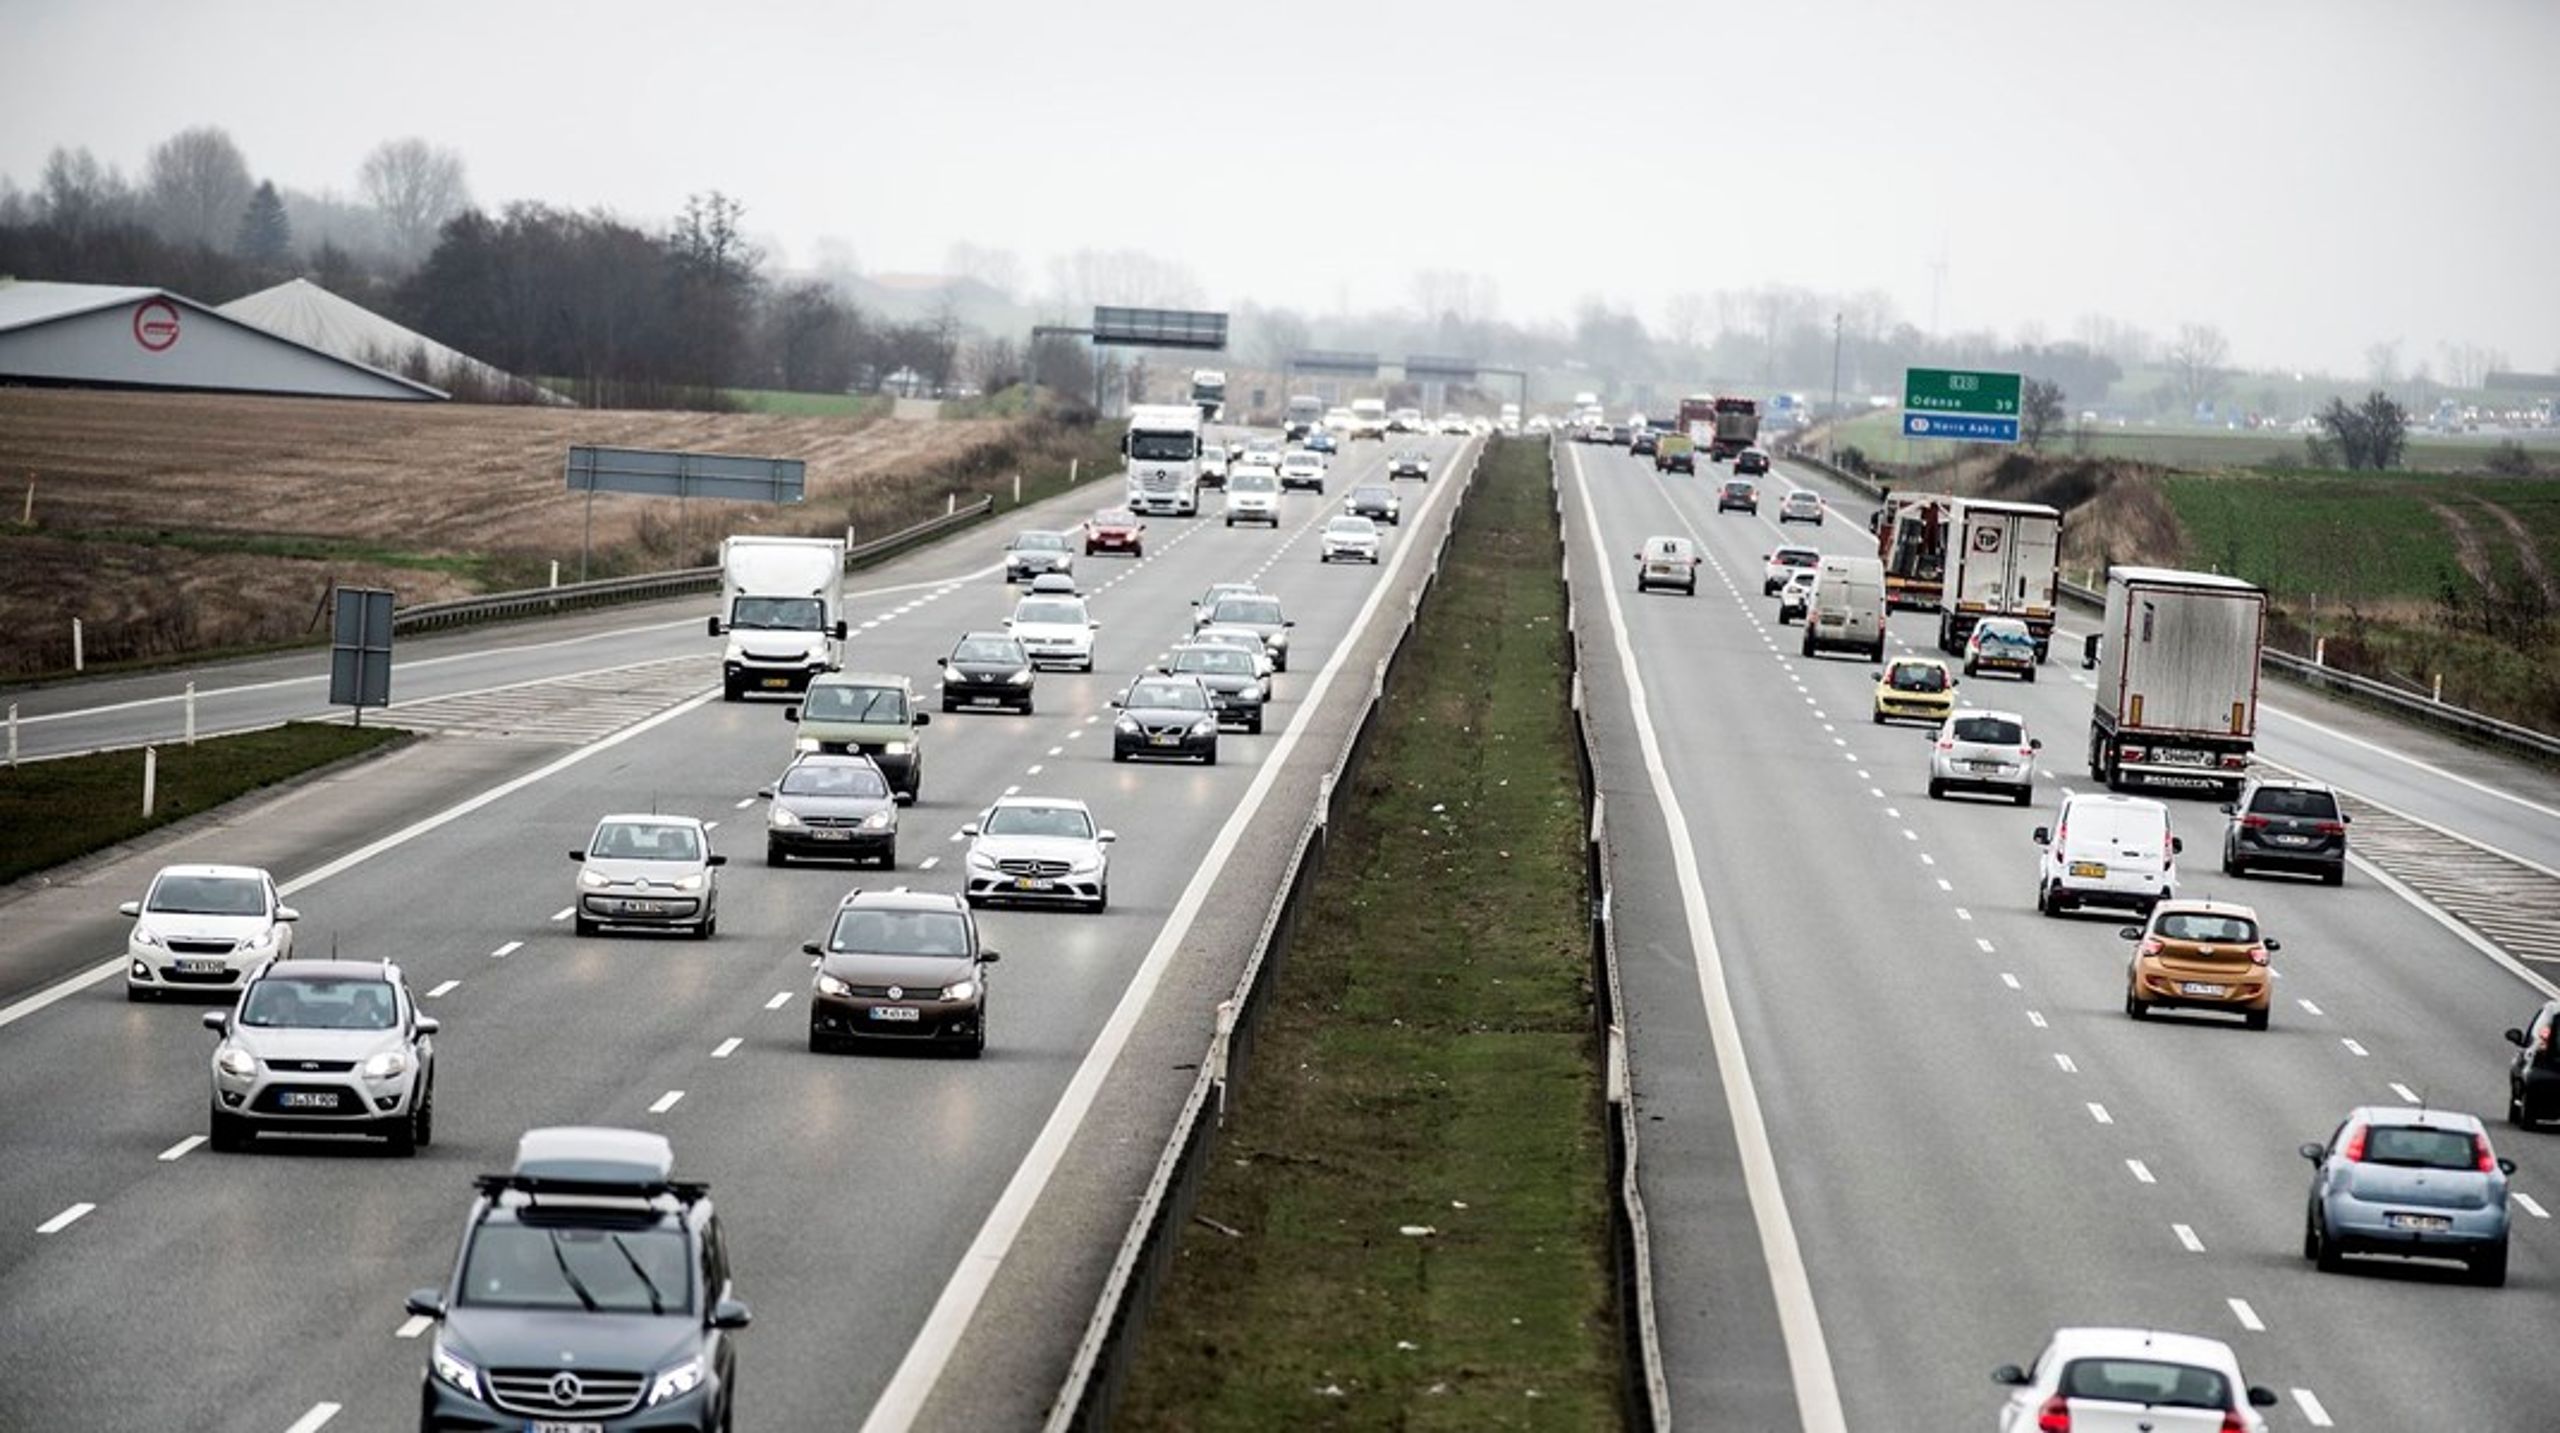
(2201, 955)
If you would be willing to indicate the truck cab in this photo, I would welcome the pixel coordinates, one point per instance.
(782, 609)
(1162, 446)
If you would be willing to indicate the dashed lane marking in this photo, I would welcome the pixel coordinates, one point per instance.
(2247, 1316)
(2140, 1171)
(179, 1150)
(666, 1102)
(725, 1048)
(780, 999)
(510, 948)
(65, 1219)
(2187, 1236)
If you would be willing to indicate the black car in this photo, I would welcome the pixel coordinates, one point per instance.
(2279, 824)
(986, 669)
(1738, 494)
(1751, 460)
(1233, 678)
(1374, 500)
(1409, 465)
(2533, 1079)
(832, 807)
(1166, 716)
(1642, 444)
(592, 1291)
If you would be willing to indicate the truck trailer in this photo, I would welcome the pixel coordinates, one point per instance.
(782, 609)
(1911, 540)
(2002, 560)
(2177, 659)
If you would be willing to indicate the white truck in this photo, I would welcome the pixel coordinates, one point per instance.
(1509, 422)
(2177, 659)
(1209, 393)
(782, 609)
(1368, 419)
(1305, 415)
(1163, 450)
(2002, 560)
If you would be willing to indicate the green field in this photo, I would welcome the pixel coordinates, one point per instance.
(808, 405)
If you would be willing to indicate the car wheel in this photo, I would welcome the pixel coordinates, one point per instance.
(1231, 522)
(2031, 674)
(2337, 877)
(2325, 1253)
(2230, 863)
(2024, 795)
(1141, 552)
(2256, 1019)
(773, 855)
(889, 857)
(2139, 1010)
(1212, 758)
(1969, 671)
(1808, 637)
(1118, 755)
(2490, 1269)
(818, 1044)
(1026, 706)
(1102, 899)
(730, 693)
(138, 994)
(2515, 1107)
(587, 927)
(708, 928)
(1879, 717)
(1937, 789)
(2310, 1237)
(402, 1138)
(225, 1133)
(426, 1117)
(1255, 726)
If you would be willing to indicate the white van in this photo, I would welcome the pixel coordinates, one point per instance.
(1847, 608)
(2106, 850)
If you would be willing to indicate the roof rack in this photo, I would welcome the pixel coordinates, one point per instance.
(536, 1185)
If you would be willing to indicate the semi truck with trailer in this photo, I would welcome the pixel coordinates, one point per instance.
(1912, 542)
(2177, 695)
(782, 609)
(2002, 560)
(1162, 447)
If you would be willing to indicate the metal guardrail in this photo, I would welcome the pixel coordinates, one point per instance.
(532, 601)
(1090, 1391)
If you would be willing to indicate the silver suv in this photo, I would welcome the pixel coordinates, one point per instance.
(324, 1047)
(204, 928)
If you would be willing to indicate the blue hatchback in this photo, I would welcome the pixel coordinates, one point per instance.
(2411, 1182)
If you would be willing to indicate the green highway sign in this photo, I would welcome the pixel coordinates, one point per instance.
(1955, 390)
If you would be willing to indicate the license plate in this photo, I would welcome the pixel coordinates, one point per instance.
(1984, 765)
(896, 1012)
(1164, 741)
(2184, 758)
(540, 1425)
(202, 967)
(2420, 1221)
(1033, 883)
(824, 834)
(2293, 840)
(2089, 870)
(2198, 987)
(635, 908)
(308, 1099)
(775, 682)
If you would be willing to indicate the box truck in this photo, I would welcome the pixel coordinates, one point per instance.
(2177, 659)
(2002, 560)
(782, 609)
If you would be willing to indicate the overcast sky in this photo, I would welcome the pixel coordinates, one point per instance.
(2312, 175)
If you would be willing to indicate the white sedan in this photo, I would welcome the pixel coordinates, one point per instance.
(1039, 848)
(1352, 539)
(2106, 1379)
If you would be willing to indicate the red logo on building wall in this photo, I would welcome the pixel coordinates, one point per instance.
(155, 324)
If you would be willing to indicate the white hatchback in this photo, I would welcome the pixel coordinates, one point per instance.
(1976, 749)
(2117, 1380)
(1054, 630)
(204, 928)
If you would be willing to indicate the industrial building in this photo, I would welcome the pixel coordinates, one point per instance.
(114, 336)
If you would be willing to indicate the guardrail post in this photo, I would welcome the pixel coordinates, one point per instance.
(2320, 651)
(951, 505)
(1221, 1035)
(1071, 470)
(1324, 794)
(191, 713)
(79, 657)
(1017, 490)
(555, 572)
(2438, 694)
(150, 779)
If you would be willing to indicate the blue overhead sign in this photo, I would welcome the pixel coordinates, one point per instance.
(1960, 427)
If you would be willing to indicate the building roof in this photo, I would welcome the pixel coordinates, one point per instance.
(25, 303)
(306, 313)
(137, 336)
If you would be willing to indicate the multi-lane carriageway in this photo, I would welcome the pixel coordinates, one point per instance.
(1897, 1124)
(919, 1238)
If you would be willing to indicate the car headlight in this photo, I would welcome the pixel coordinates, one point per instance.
(263, 940)
(594, 880)
(953, 674)
(676, 1382)
(980, 860)
(1205, 726)
(1021, 678)
(1127, 724)
(1252, 692)
(805, 744)
(880, 820)
(143, 936)
(1279, 639)
(389, 1065)
(452, 1368)
(1086, 865)
(780, 816)
(960, 990)
(236, 1063)
(896, 748)
(689, 883)
(829, 985)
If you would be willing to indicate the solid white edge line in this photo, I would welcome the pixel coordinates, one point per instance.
(2444, 918)
(2429, 768)
(1809, 1367)
(314, 1420)
(920, 1369)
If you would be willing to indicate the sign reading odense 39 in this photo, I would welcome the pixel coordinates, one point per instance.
(1955, 390)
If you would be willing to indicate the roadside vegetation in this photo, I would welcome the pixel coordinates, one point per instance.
(56, 811)
(1405, 1225)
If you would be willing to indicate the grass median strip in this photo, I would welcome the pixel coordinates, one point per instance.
(54, 811)
(1406, 1222)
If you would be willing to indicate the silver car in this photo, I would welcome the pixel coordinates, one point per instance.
(324, 1047)
(1031, 554)
(1976, 749)
(1259, 611)
(640, 870)
(1352, 539)
(2416, 1182)
(1039, 848)
(1796, 598)
(1243, 639)
(204, 928)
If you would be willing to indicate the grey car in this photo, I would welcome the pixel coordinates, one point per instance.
(2414, 1182)
(834, 808)
(323, 1047)
(1232, 677)
(1165, 717)
(1032, 553)
(1376, 501)
(1259, 611)
(647, 870)
(2279, 824)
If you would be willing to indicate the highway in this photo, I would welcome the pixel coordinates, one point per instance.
(871, 1201)
(1897, 1125)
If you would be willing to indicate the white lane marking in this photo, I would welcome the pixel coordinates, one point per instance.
(1035, 770)
(510, 948)
(1928, 860)
(2407, 1096)
(65, 1219)
(2036, 1018)
(315, 1420)
(780, 999)
(2352, 1047)
(1079, 731)
(2431, 911)
(2247, 1316)
(725, 1048)
(413, 1325)
(710, 825)
(2064, 1061)
(1058, 750)
(1984, 943)
(2307, 1007)
(2530, 1206)
(2187, 1236)
(1894, 811)
(1862, 776)
(564, 913)
(442, 989)
(2010, 980)
(1945, 885)
(928, 863)
(744, 803)
(1875, 791)
(921, 1367)
(1013, 791)
(179, 1150)
(666, 1102)
(1962, 914)
(1097, 716)
(2428, 767)
(2141, 1171)
(2099, 1113)
(2312, 1412)
(959, 835)
(1910, 835)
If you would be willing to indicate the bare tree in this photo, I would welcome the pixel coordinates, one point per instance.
(2040, 410)
(994, 364)
(198, 184)
(417, 187)
(1121, 276)
(77, 194)
(2196, 359)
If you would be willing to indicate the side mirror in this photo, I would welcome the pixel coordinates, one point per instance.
(2036, 744)
(765, 795)
(429, 1025)
(2177, 845)
(969, 829)
(924, 718)
(2516, 1038)
(989, 957)
(218, 1021)
(2261, 1396)
(2345, 820)
(2131, 932)
(288, 914)
(130, 908)
(2316, 1153)
(577, 855)
(2010, 1374)
(1107, 837)
(1290, 623)
(808, 947)
(1120, 697)
(1164, 671)
(942, 661)
(2230, 808)
(2274, 945)
(2044, 836)
(426, 1303)
(712, 627)
(2506, 1166)
(1093, 626)
(729, 1314)
(791, 713)
(838, 631)
(715, 859)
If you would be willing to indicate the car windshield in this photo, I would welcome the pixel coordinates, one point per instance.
(209, 896)
(1795, 557)
(1162, 447)
(1222, 661)
(1352, 527)
(1050, 614)
(304, 1003)
(994, 650)
(2146, 1381)
(834, 779)
(834, 702)
(1175, 696)
(2198, 926)
(2419, 1148)
(885, 932)
(1248, 610)
(1038, 821)
(777, 614)
(1115, 517)
(2293, 801)
(542, 1266)
(647, 841)
(1377, 496)
(1999, 634)
(1990, 731)
(1039, 542)
(1250, 483)
(1918, 677)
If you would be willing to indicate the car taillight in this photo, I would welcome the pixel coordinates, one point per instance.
(2168, 845)
(2487, 1163)
(2253, 823)
(2055, 1416)
(2258, 955)
(2331, 828)
(2026, 753)
(2136, 753)
(1946, 746)
(2354, 1152)
(2150, 947)
(2231, 1422)
(2235, 761)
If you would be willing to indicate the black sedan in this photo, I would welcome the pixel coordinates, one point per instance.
(834, 807)
(986, 669)
(1374, 500)
(1166, 716)
(1233, 678)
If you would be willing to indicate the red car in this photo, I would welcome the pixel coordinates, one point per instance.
(1114, 530)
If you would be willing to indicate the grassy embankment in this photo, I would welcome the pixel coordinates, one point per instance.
(1879, 435)
(55, 811)
(1427, 1063)
(808, 405)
